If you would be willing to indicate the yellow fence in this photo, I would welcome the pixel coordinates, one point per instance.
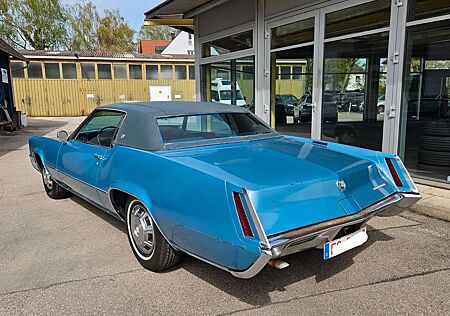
(79, 97)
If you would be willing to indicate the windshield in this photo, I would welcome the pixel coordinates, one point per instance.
(288, 98)
(209, 126)
(226, 95)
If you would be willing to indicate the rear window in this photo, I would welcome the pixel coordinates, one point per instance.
(188, 128)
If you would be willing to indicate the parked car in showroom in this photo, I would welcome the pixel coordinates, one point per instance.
(284, 107)
(303, 111)
(216, 182)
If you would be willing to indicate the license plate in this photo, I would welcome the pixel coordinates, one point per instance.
(336, 247)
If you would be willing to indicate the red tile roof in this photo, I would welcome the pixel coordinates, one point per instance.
(149, 46)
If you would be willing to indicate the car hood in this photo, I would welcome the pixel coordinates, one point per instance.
(290, 183)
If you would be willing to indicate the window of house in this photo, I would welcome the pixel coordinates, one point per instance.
(180, 72)
(166, 72)
(35, 70)
(52, 71)
(135, 72)
(17, 70)
(104, 71)
(151, 72)
(87, 71)
(191, 73)
(120, 71)
(69, 71)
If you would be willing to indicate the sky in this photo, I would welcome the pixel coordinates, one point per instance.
(131, 10)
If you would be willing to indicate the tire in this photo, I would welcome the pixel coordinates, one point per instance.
(52, 188)
(435, 143)
(440, 128)
(434, 158)
(141, 232)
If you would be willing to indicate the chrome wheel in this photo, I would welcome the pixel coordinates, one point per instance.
(48, 181)
(141, 229)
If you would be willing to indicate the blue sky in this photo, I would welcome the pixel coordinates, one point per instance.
(131, 10)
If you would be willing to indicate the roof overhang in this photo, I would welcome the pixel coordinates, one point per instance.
(4, 47)
(179, 13)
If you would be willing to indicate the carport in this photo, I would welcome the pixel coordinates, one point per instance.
(6, 84)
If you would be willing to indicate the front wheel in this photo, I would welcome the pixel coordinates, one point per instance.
(148, 244)
(52, 188)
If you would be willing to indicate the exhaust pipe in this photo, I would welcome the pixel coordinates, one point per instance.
(278, 264)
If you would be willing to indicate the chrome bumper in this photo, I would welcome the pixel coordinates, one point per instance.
(317, 235)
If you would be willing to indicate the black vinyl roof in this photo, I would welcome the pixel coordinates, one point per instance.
(140, 129)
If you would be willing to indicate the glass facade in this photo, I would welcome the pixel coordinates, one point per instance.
(425, 117)
(336, 73)
(230, 82)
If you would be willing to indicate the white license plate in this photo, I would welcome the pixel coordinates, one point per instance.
(336, 247)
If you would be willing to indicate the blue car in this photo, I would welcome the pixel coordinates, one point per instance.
(217, 183)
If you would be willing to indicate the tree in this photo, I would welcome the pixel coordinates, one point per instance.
(83, 22)
(40, 24)
(114, 34)
(157, 32)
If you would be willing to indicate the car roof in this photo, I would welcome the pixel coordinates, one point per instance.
(139, 128)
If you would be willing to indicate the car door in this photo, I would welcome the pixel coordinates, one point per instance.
(81, 157)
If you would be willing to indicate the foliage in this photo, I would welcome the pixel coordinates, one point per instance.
(83, 20)
(114, 34)
(158, 32)
(47, 24)
(40, 24)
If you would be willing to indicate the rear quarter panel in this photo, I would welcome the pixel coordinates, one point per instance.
(192, 208)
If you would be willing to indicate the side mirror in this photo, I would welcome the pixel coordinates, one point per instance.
(62, 136)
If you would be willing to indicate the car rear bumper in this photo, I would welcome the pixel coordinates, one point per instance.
(317, 235)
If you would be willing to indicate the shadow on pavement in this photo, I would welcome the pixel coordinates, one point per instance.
(116, 223)
(36, 127)
(303, 265)
(256, 291)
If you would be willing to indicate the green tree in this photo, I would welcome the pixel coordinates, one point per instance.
(40, 24)
(83, 21)
(114, 34)
(157, 32)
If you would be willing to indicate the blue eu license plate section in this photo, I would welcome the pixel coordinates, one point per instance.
(336, 247)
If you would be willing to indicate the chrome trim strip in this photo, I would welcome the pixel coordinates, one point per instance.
(81, 181)
(264, 242)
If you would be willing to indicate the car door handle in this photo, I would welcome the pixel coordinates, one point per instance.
(99, 157)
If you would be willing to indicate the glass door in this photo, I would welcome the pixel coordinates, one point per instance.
(291, 69)
(355, 66)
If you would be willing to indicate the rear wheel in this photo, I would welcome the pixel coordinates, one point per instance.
(148, 244)
(52, 188)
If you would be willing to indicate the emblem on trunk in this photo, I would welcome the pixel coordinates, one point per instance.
(341, 185)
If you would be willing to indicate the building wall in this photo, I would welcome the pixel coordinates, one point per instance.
(75, 97)
(228, 15)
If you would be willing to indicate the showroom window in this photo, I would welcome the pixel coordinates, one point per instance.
(425, 118)
(292, 77)
(232, 43)
(230, 82)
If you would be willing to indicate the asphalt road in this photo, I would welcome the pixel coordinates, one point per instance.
(66, 257)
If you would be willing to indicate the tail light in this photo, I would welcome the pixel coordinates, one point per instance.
(245, 225)
(395, 176)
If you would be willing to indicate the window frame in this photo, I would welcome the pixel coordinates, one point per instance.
(114, 71)
(62, 70)
(95, 70)
(74, 135)
(129, 71)
(45, 70)
(110, 71)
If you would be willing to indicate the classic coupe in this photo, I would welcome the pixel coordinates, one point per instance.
(216, 182)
